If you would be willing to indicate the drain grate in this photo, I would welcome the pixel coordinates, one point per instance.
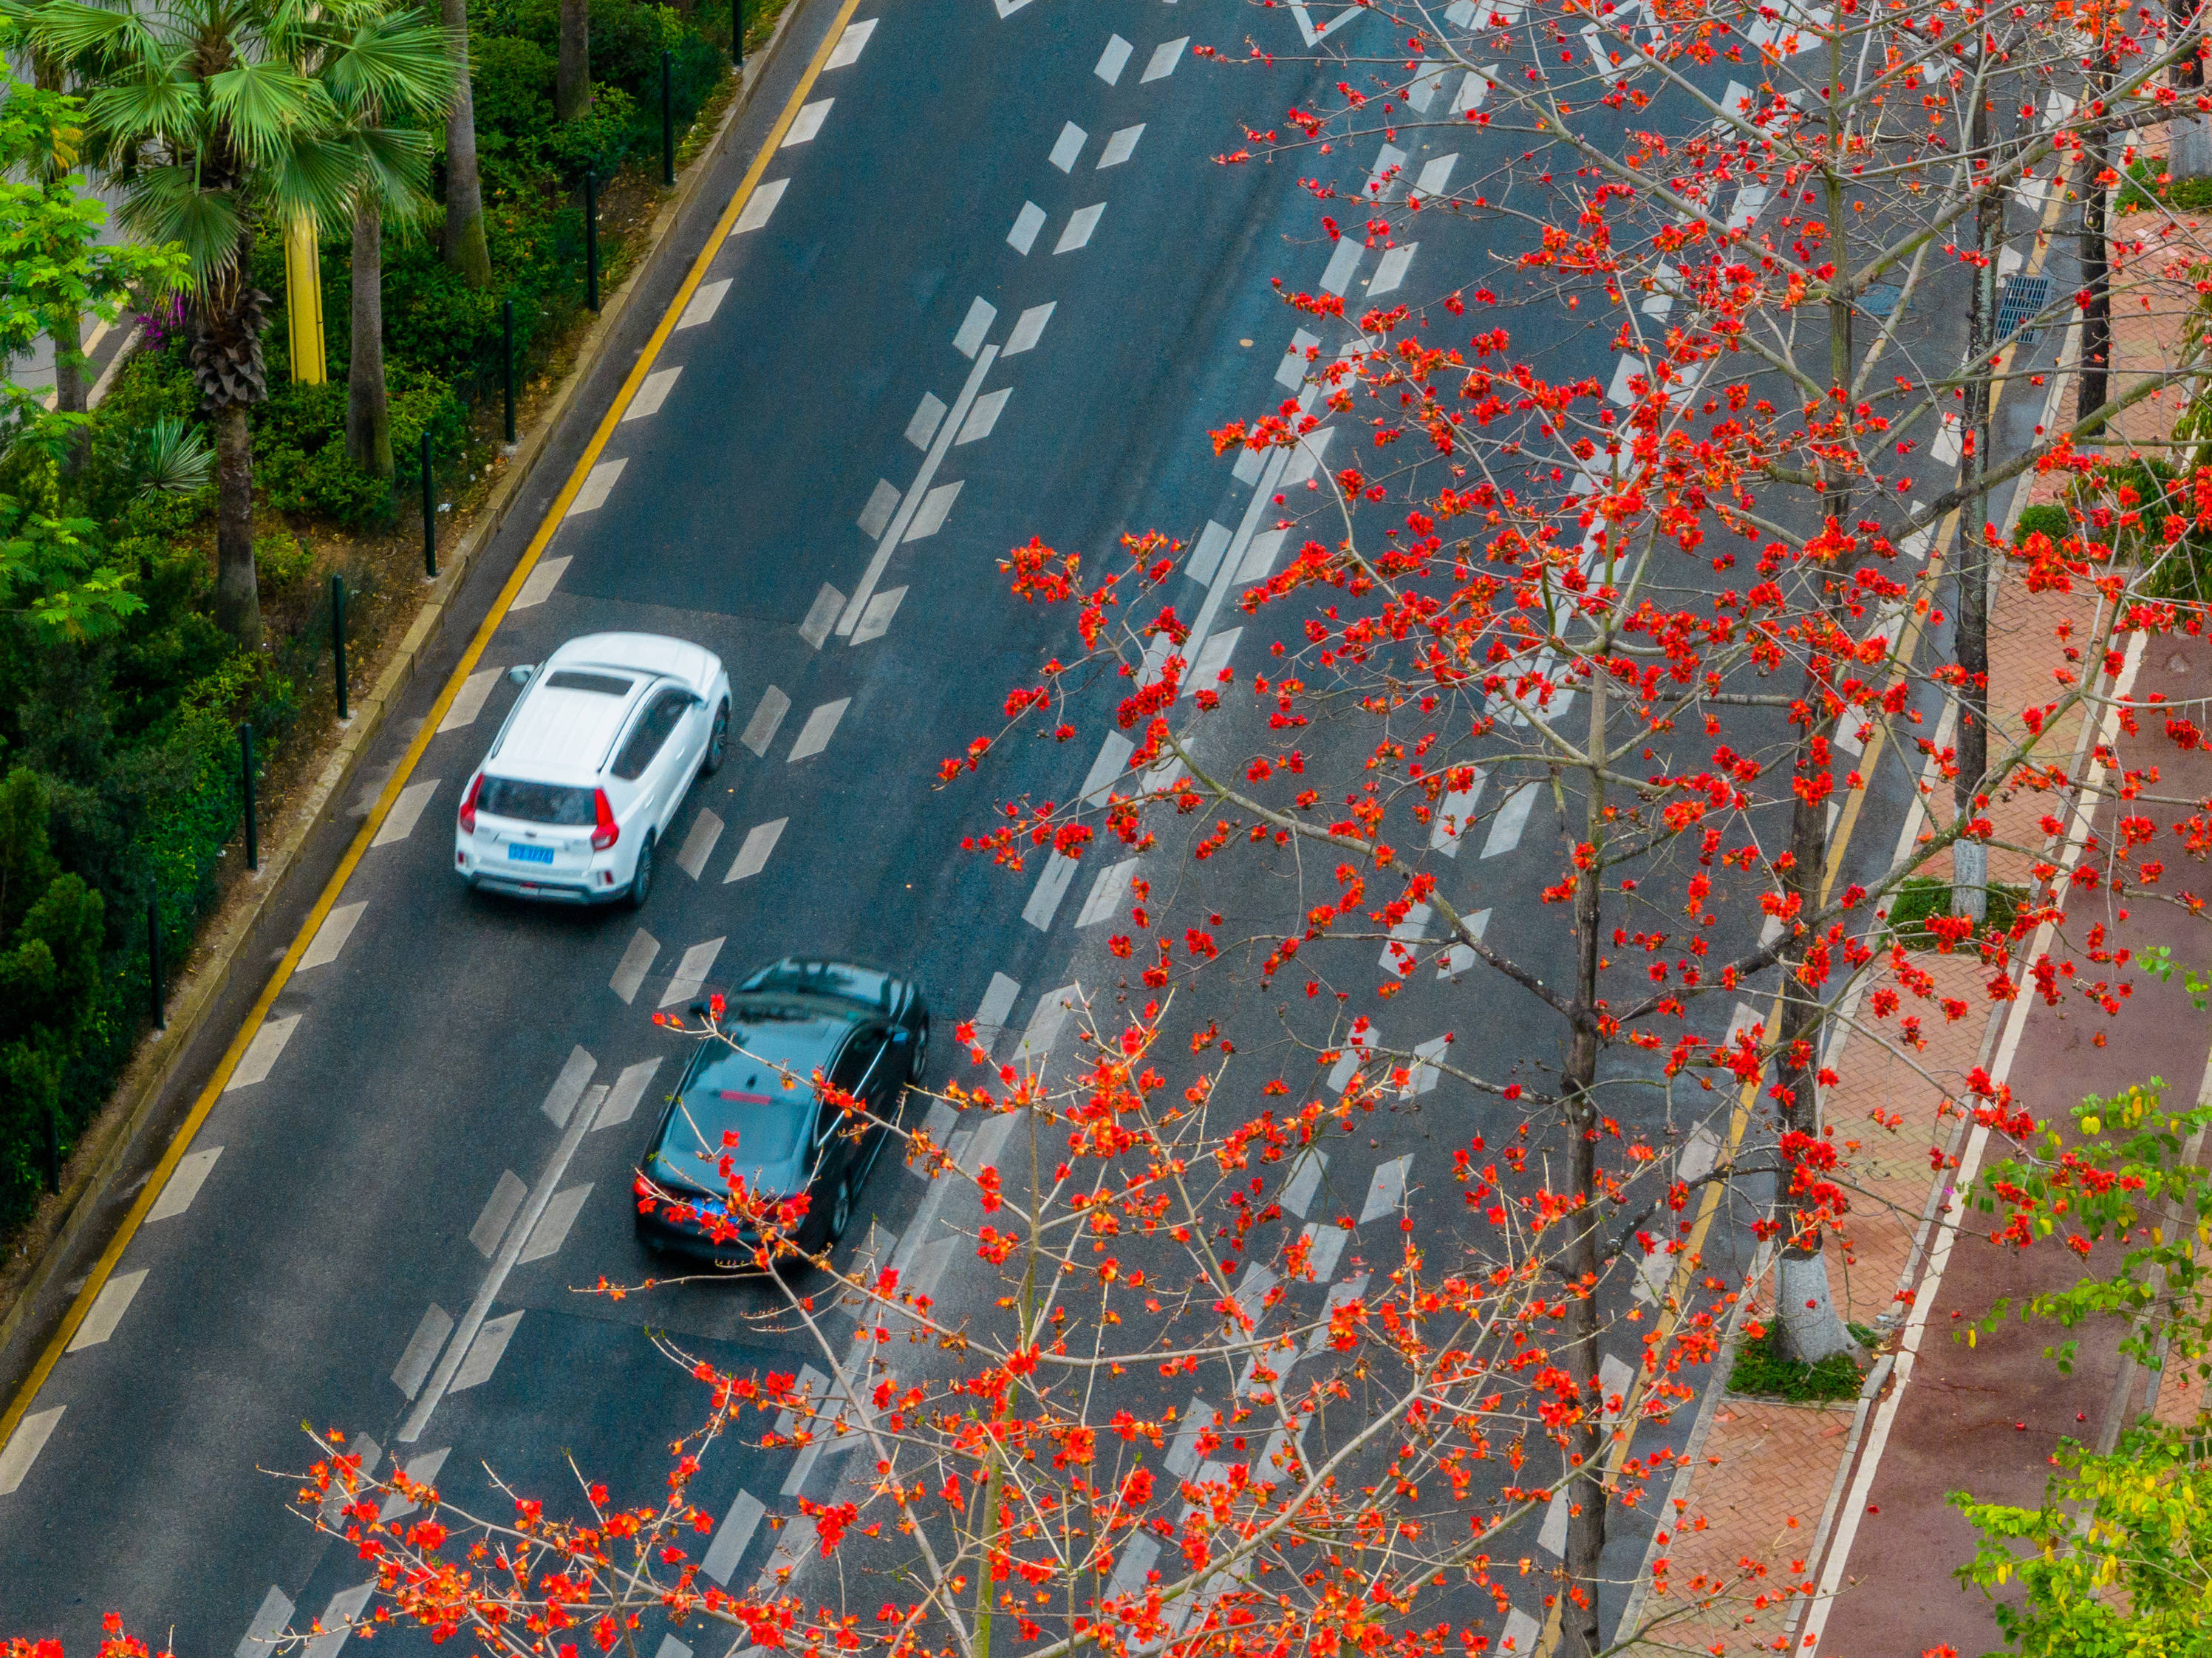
(1881, 300)
(2021, 298)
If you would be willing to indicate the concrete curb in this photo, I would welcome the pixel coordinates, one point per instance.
(100, 1155)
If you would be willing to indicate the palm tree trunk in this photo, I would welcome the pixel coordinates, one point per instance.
(69, 365)
(571, 87)
(368, 408)
(237, 590)
(465, 248)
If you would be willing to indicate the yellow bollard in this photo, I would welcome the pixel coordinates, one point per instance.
(303, 300)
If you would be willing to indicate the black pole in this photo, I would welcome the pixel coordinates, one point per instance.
(738, 35)
(507, 337)
(245, 759)
(430, 503)
(154, 959)
(337, 640)
(667, 121)
(591, 239)
(53, 1149)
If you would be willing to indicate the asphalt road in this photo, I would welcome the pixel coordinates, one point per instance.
(990, 286)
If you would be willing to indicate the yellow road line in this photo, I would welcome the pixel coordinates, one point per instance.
(206, 1103)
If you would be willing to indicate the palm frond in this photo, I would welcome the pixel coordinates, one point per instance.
(169, 204)
(314, 173)
(172, 457)
(266, 107)
(395, 61)
(159, 101)
(92, 36)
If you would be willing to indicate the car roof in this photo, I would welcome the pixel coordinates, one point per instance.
(654, 653)
(561, 734)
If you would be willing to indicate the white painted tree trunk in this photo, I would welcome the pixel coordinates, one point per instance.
(1812, 1329)
(1970, 879)
(2191, 138)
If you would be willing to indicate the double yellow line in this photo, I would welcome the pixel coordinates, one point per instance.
(20, 1404)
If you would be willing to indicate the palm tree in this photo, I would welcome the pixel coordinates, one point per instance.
(216, 117)
(572, 82)
(466, 251)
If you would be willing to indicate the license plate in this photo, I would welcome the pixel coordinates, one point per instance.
(523, 854)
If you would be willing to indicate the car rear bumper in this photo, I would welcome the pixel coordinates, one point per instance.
(556, 892)
(682, 1238)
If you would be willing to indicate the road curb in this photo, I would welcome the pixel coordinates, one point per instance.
(100, 1155)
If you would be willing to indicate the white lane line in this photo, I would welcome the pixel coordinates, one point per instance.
(1305, 461)
(499, 1209)
(973, 326)
(185, 1182)
(628, 1089)
(1181, 1459)
(1383, 180)
(1027, 222)
(1260, 560)
(108, 1310)
(814, 736)
(1110, 61)
(1428, 1056)
(1051, 888)
(929, 518)
(1292, 371)
(330, 937)
(1352, 1056)
(1422, 90)
(992, 1012)
(1165, 56)
(336, 1620)
(1459, 957)
(1392, 271)
(598, 484)
(808, 123)
(983, 416)
(1342, 266)
(914, 501)
(1386, 1190)
(421, 1471)
(1436, 178)
(847, 51)
(669, 1647)
(822, 614)
(1133, 1568)
(1512, 818)
(1068, 146)
(406, 812)
(486, 1351)
(691, 972)
(704, 304)
(1401, 953)
(1122, 146)
(594, 1097)
(731, 1536)
(651, 395)
(1212, 659)
(260, 1638)
(1553, 1537)
(576, 1073)
(1104, 903)
(1206, 558)
(422, 1350)
(699, 844)
(1305, 1183)
(1028, 328)
(918, 431)
(630, 971)
(757, 208)
(268, 1043)
(882, 501)
(537, 586)
(1046, 1020)
(1080, 224)
(760, 730)
(468, 701)
(552, 1229)
(752, 856)
(876, 621)
(1113, 759)
(1454, 815)
(23, 1447)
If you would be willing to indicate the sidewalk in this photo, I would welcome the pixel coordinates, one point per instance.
(1831, 1524)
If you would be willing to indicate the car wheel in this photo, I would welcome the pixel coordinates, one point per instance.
(919, 1063)
(641, 878)
(718, 741)
(841, 1213)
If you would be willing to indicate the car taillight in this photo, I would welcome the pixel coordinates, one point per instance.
(469, 806)
(607, 832)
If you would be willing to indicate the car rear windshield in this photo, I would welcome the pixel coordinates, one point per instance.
(742, 1090)
(606, 685)
(537, 802)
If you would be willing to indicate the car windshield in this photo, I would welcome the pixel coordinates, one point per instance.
(837, 979)
(743, 1092)
(604, 684)
(537, 802)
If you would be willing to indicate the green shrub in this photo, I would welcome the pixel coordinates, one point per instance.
(600, 138)
(281, 561)
(2047, 519)
(299, 443)
(511, 86)
(1920, 897)
(1762, 1371)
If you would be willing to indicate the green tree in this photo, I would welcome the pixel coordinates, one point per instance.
(216, 117)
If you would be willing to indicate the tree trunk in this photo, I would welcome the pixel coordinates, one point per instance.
(237, 589)
(368, 408)
(465, 248)
(2094, 384)
(2189, 135)
(572, 88)
(1970, 862)
(69, 365)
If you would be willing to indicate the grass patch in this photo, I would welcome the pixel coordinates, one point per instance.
(1762, 1371)
(1922, 896)
(2139, 189)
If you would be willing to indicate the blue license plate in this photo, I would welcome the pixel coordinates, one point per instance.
(523, 854)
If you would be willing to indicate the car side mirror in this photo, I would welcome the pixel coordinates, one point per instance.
(901, 1036)
(521, 673)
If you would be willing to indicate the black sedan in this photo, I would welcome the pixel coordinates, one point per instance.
(747, 1095)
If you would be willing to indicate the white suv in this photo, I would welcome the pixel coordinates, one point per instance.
(592, 763)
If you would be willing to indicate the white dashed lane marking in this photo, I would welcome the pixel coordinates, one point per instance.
(1165, 56)
(809, 122)
(498, 1211)
(704, 304)
(699, 844)
(406, 811)
(760, 730)
(1104, 903)
(1388, 1189)
(1028, 328)
(575, 1072)
(622, 1098)
(651, 395)
(882, 501)
(1110, 61)
(468, 701)
(268, 1625)
(992, 1012)
(1459, 957)
(262, 1053)
(108, 1310)
(1068, 146)
(421, 1471)
(752, 856)
(538, 585)
(1392, 271)
(1453, 814)
(929, 517)
(847, 50)
(983, 416)
(756, 209)
(1080, 224)
(490, 1344)
(923, 427)
(637, 959)
(185, 1182)
(330, 937)
(1343, 264)
(814, 736)
(337, 1620)
(973, 327)
(421, 1353)
(1051, 888)
(731, 1536)
(1122, 146)
(822, 614)
(1512, 817)
(1027, 222)
(550, 1234)
(876, 621)
(598, 484)
(691, 971)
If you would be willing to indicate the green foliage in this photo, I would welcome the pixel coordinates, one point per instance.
(2046, 517)
(511, 84)
(1920, 898)
(1762, 1371)
(2117, 1562)
(281, 562)
(299, 442)
(600, 138)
